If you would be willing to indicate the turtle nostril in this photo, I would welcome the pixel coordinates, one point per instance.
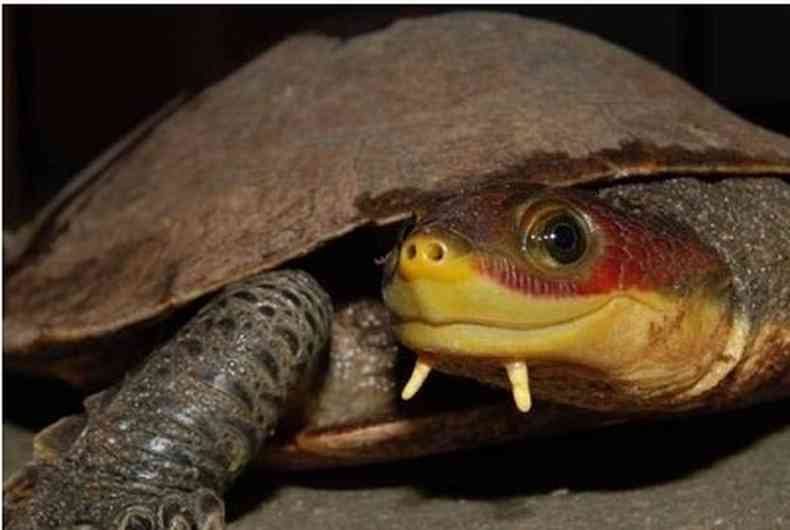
(434, 251)
(427, 251)
(427, 255)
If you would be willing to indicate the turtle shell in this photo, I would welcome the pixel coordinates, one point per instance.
(319, 136)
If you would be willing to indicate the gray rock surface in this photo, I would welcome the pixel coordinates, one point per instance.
(724, 472)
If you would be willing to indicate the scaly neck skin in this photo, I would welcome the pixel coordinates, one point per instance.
(650, 316)
(747, 222)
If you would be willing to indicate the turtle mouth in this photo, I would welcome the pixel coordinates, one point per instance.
(515, 346)
(486, 338)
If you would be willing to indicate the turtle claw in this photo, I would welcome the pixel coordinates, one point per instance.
(136, 518)
(61, 503)
(200, 510)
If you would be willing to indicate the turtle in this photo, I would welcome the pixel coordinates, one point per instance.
(488, 196)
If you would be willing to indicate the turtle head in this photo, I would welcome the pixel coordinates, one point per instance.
(606, 305)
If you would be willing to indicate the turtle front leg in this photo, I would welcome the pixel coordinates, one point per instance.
(160, 452)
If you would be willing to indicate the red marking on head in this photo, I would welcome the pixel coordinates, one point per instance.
(633, 252)
(505, 272)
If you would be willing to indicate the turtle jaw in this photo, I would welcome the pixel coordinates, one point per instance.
(434, 319)
(643, 345)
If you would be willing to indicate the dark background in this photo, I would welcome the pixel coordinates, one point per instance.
(77, 78)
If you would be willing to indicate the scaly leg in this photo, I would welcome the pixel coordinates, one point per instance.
(160, 452)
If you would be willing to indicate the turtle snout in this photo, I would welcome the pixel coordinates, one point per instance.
(429, 255)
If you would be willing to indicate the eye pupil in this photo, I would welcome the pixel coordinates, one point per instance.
(564, 239)
(555, 236)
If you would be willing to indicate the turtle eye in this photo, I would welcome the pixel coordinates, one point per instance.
(557, 238)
